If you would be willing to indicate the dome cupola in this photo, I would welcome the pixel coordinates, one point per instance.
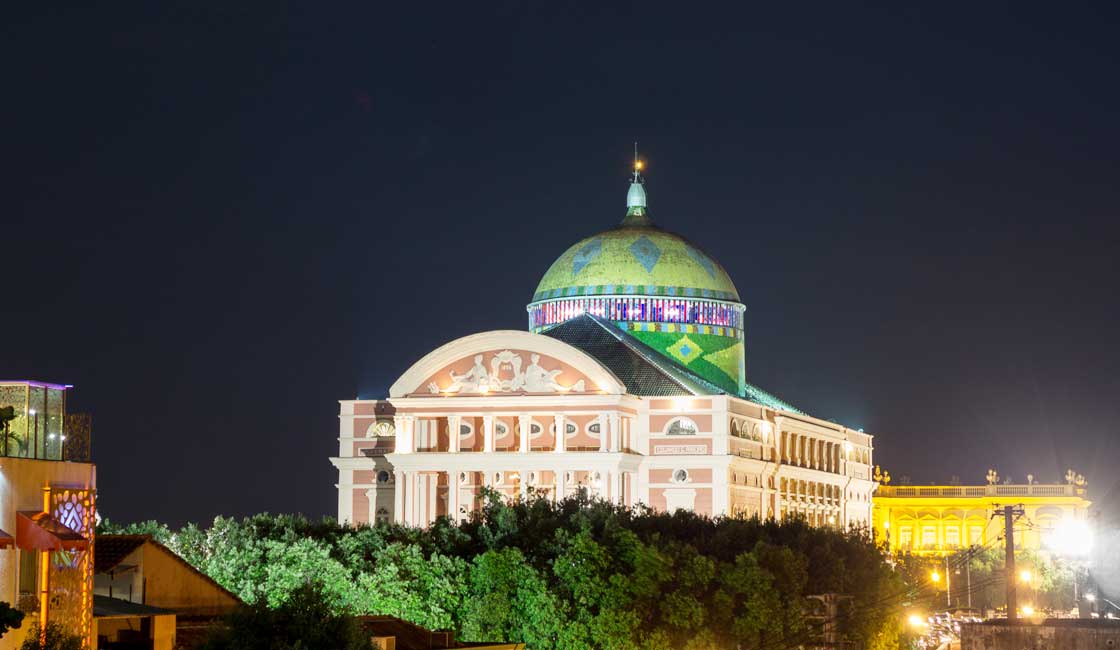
(654, 284)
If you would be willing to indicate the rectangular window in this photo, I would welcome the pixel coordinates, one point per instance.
(953, 537)
(929, 537)
(975, 535)
(28, 571)
(905, 537)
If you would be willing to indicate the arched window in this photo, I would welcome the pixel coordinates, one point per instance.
(501, 429)
(593, 427)
(535, 430)
(465, 429)
(681, 427)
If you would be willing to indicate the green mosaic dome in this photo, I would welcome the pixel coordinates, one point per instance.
(637, 258)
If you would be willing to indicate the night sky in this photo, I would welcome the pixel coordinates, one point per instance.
(218, 222)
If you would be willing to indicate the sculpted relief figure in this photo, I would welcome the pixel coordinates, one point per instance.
(505, 375)
(472, 381)
(539, 380)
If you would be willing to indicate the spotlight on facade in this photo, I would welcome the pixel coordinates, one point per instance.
(917, 620)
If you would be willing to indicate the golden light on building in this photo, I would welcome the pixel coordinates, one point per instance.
(937, 520)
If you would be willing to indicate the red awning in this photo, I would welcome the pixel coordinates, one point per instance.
(38, 531)
(6, 540)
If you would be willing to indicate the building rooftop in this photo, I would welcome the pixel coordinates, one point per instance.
(642, 369)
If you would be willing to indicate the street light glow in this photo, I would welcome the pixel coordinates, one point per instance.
(1025, 575)
(917, 620)
(935, 576)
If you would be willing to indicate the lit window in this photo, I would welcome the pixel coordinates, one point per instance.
(929, 537)
(681, 427)
(952, 537)
(905, 536)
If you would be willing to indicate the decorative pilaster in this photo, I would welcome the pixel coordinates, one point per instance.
(561, 486)
(523, 483)
(561, 434)
(604, 432)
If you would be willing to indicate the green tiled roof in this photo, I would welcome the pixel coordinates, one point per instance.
(643, 370)
(636, 260)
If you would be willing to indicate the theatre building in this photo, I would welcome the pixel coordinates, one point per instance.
(628, 385)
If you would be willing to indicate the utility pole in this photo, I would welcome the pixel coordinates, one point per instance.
(1010, 514)
(948, 585)
(968, 573)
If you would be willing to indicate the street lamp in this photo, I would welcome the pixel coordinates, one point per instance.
(1025, 576)
(935, 576)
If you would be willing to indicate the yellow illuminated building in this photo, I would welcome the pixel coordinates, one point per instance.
(941, 519)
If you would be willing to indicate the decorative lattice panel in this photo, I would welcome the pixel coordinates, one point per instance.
(71, 591)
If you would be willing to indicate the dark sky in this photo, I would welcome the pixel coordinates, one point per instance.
(216, 222)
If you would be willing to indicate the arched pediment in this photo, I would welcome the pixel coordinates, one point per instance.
(504, 362)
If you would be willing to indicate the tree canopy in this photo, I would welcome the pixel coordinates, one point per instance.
(568, 575)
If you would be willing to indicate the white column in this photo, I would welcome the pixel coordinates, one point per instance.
(561, 487)
(403, 426)
(404, 485)
(524, 424)
(431, 482)
(453, 424)
(523, 484)
(604, 432)
(488, 433)
(398, 496)
(561, 434)
(616, 488)
(453, 496)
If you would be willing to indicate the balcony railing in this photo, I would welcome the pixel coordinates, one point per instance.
(1033, 490)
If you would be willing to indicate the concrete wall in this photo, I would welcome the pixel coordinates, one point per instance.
(1071, 634)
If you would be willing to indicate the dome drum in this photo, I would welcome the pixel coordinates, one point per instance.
(708, 314)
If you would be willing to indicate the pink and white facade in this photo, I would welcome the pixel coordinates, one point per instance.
(484, 411)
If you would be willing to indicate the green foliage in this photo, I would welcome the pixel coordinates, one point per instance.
(58, 638)
(568, 575)
(306, 620)
(7, 438)
(10, 618)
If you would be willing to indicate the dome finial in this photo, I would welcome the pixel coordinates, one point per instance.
(636, 214)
